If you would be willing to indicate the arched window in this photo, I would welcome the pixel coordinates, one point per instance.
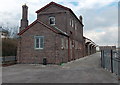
(52, 20)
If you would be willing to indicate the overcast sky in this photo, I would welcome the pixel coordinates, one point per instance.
(100, 17)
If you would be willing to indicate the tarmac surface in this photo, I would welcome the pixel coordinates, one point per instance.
(83, 70)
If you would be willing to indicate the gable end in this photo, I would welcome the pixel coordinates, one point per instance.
(52, 3)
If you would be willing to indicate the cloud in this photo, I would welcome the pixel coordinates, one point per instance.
(108, 36)
(93, 3)
(99, 16)
(101, 25)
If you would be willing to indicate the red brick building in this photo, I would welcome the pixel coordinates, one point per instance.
(56, 35)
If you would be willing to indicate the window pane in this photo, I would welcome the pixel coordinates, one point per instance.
(41, 42)
(52, 20)
(72, 23)
(62, 39)
(37, 42)
(75, 26)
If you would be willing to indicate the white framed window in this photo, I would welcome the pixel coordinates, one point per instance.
(66, 44)
(39, 42)
(72, 23)
(62, 39)
(75, 26)
(52, 20)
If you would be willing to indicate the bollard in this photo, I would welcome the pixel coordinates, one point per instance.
(44, 61)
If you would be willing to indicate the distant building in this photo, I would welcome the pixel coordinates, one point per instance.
(107, 47)
(3, 33)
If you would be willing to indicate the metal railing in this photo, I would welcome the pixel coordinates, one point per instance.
(110, 61)
(8, 60)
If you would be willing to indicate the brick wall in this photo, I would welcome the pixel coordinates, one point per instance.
(53, 42)
(52, 46)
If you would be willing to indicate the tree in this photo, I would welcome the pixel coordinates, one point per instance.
(9, 47)
(12, 30)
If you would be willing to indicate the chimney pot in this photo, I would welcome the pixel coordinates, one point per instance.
(81, 18)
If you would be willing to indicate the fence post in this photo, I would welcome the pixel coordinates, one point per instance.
(101, 59)
(111, 61)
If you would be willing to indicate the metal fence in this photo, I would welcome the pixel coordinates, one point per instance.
(8, 59)
(110, 60)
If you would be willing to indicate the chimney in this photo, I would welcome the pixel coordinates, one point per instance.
(80, 18)
(24, 20)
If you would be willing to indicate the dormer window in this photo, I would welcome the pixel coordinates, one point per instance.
(52, 20)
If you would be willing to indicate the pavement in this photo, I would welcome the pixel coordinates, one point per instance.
(83, 70)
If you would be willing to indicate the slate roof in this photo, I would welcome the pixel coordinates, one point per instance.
(54, 29)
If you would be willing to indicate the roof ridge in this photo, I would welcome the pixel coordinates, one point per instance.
(25, 29)
(21, 32)
(51, 4)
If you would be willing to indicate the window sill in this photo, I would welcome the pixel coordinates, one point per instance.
(52, 24)
(38, 48)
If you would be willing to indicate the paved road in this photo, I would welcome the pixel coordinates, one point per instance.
(84, 70)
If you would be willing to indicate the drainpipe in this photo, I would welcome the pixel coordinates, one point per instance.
(68, 49)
